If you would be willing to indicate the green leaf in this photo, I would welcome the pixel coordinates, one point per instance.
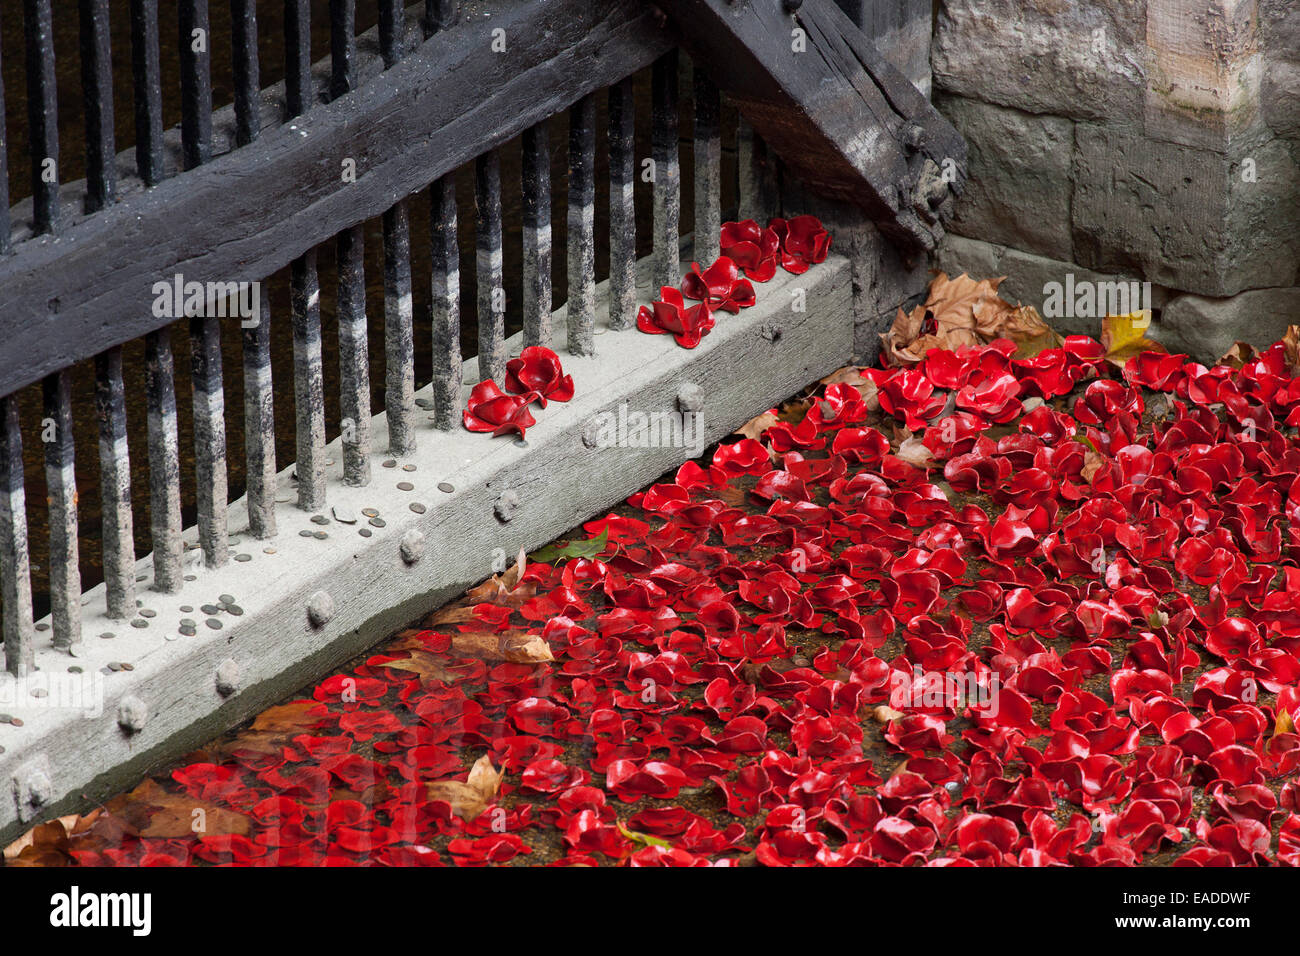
(586, 548)
(645, 838)
(1085, 440)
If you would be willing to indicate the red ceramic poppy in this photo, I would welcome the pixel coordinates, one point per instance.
(721, 286)
(537, 372)
(491, 410)
(752, 247)
(804, 242)
(670, 316)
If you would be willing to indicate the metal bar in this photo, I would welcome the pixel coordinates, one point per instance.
(708, 170)
(447, 371)
(61, 495)
(15, 569)
(622, 211)
(343, 46)
(118, 533)
(5, 223)
(308, 382)
(164, 462)
(297, 56)
(399, 343)
(210, 439)
(491, 289)
(146, 71)
(536, 183)
(354, 357)
(248, 89)
(97, 92)
(42, 113)
(438, 15)
(581, 309)
(196, 82)
(667, 171)
(259, 424)
(392, 24)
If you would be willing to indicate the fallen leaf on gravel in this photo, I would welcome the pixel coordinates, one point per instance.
(517, 647)
(469, 799)
(884, 714)
(755, 427)
(1238, 355)
(913, 451)
(175, 817)
(851, 375)
(427, 666)
(1124, 336)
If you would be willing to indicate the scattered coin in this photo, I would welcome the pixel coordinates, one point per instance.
(304, 534)
(187, 609)
(418, 508)
(189, 622)
(390, 463)
(378, 523)
(148, 612)
(43, 626)
(235, 609)
(213, 623)
(114, 666)
(139, 622)
(226, 599)
(446, 486)
(243, 558)
(188, 632)
(107, 636)
(408, 468)
(127, 667)
(364, 532)
(74, 669)
(321, 535)
(370, 512)
(405, 486)
(319, 519)
(210, 609)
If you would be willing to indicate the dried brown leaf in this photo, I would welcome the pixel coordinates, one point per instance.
(469, 799)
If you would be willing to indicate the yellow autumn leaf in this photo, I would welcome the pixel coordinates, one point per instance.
(1124, 336)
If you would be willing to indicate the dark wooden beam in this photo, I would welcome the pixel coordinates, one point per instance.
(250, 212)
(840, 116)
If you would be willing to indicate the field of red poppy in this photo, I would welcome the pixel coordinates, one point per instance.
(1021, 601)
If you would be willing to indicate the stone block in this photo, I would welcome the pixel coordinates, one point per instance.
(1080, 60)
(1205, 328)
(1018, 187)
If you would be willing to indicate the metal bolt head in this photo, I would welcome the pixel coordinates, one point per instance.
(132, 714)
(227, 677)
(690, 397)
(507, 504)
(412, 546)
(320, 609)
(40, 789)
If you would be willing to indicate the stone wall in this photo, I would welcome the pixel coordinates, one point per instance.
(1151, 140)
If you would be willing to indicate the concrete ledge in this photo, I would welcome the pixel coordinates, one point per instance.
(311, 604)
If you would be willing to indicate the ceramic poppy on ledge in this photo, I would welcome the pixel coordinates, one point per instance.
(491, 410)
(720, 286)
(537, 370)
(670, 316)
(752, 247)
(804, 242)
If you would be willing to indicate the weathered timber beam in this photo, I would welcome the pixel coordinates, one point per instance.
(250, 212)
(840, 116)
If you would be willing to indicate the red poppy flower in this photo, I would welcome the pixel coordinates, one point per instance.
(670, 316)
(720, 286)
(537, 372)
(491, 410)
(751, 247)
(804, 242)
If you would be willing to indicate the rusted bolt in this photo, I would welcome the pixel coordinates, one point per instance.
(590, 433)
(320, 609)
(412, 546)
(227, 677)
(132, 713)
(40, 789)
(690, 397)
(507, 504)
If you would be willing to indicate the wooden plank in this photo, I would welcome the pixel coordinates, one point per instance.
(399, 342)
(298, 93)
(665, 136)
(274, 199)
(42, 114)
(373, 590)
(210, 439)
(248, 85)
(146, 73)
(196, 82)
(16, 623)
(61, 496)
(259, 424)
(343, 47)
(308, 382)
(536, 202)
(445, 255)
(97, 97)
(488, 267)
(354, 356)
(118, 534)
(845, 120)
(622, 209)
(164, 461)
(580, 312)
(708, 169)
